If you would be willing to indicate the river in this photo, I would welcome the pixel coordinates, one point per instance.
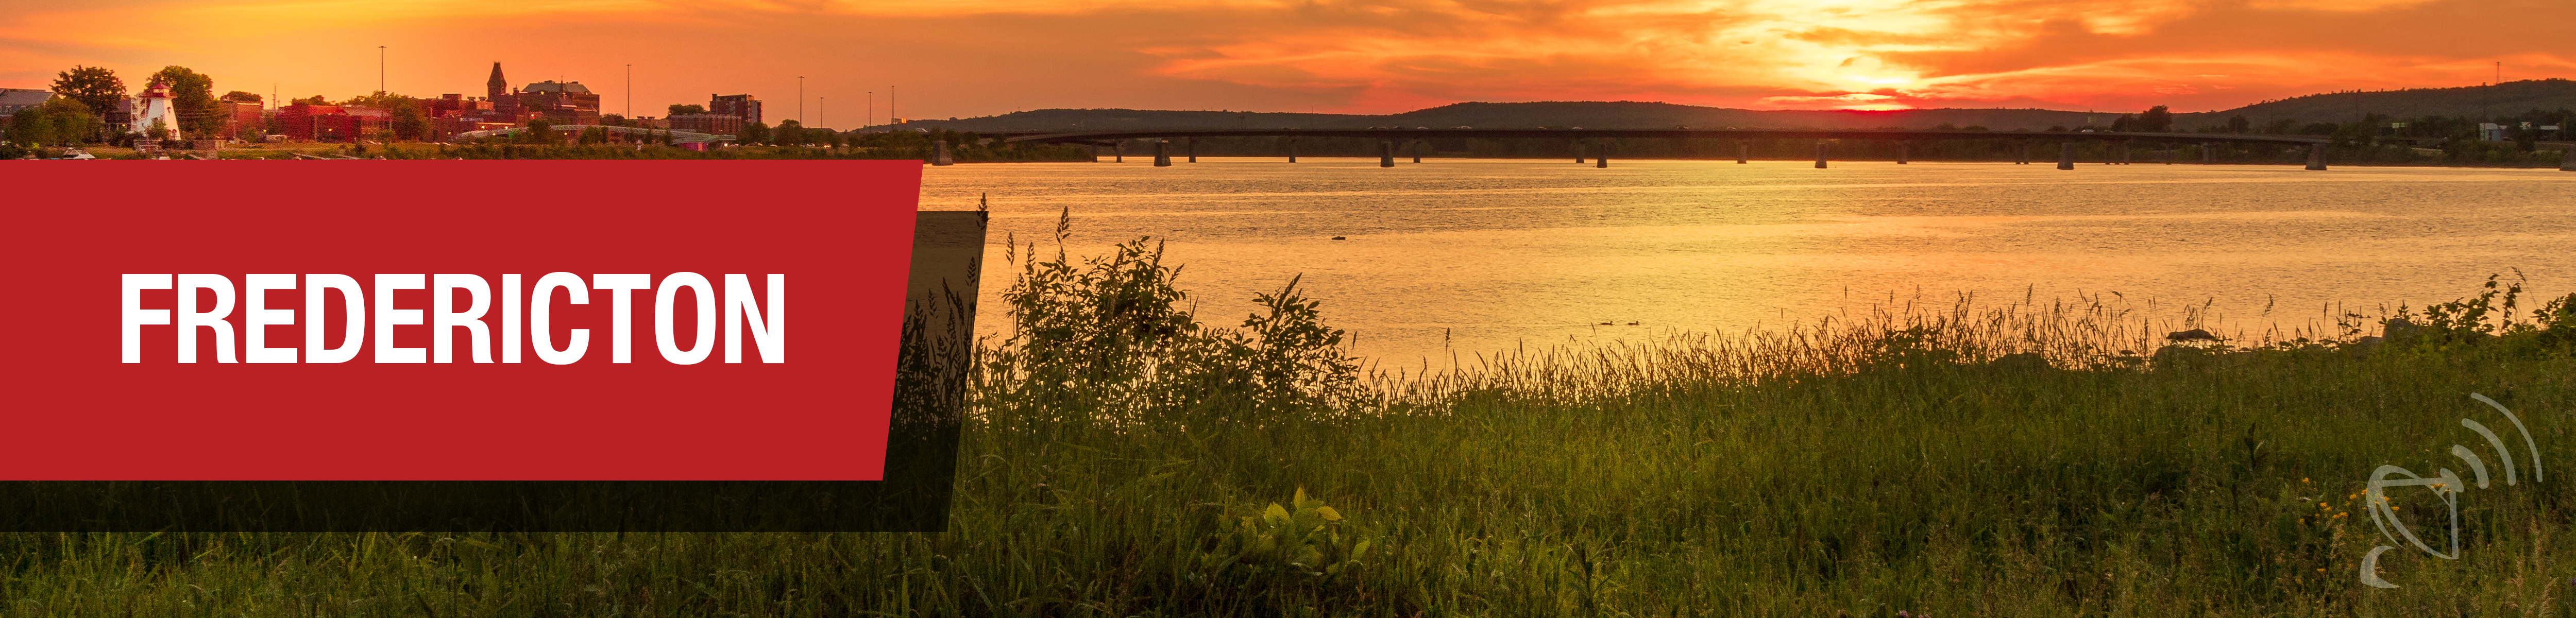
(1457, 257)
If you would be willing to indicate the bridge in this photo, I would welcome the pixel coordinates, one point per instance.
(1389, 137)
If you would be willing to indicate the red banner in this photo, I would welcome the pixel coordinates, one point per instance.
(454, 320)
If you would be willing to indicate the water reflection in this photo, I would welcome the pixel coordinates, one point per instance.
(1486, 255)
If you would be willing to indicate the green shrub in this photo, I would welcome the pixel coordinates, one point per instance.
(1113, 341)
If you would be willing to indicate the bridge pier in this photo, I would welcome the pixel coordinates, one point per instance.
(939, 153)
(1594, 145)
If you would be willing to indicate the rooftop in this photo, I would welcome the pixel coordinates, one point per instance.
(552, 86)
(14, 97)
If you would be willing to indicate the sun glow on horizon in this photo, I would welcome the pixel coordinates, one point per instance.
(993, 56)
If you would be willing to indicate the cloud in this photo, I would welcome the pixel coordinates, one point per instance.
(974, 57)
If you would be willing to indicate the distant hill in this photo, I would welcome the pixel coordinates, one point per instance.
(2476, 101)
(1630, 115)
(1590, 114)
(2506, 98)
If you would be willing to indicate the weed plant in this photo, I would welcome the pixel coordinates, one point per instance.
(1127, 458)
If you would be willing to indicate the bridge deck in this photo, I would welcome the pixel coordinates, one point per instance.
(1419, 133)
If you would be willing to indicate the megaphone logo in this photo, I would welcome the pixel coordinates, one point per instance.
(2446, 486)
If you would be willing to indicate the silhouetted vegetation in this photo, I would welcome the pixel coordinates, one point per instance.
(542, 141)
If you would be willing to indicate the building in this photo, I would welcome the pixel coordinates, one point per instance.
(331, 123)
(497, 90)
(118, 121)
(560, 103)
(243, 121)
(454, 113)
(555, 102)
(736, 105)
(454, 104)
(711, 124)
(2492, 132)
(12, 100)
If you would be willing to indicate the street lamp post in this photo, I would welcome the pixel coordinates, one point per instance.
(380, 69)
(800, 99)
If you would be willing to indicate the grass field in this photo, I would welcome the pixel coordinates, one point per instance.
(1127, 458)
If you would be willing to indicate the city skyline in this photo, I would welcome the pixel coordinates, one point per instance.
(983, 58)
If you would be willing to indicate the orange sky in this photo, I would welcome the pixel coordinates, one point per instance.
(979, 57)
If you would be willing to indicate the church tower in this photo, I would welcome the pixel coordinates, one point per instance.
(504, 99)
(497, 86)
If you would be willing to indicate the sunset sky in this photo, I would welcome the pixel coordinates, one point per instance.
(980, 57)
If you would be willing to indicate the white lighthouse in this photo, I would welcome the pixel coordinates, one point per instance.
(153, 118)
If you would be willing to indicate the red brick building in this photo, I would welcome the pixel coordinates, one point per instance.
(456, 113)
(244, 121)
(459, 105)
(737, 105)
(501, 107)
(332, 123)
(560, 103)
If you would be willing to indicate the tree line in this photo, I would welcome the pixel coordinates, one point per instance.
(86, 95)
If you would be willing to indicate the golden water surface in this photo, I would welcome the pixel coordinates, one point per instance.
(1469, 256)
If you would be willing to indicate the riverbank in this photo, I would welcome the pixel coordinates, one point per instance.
(1983, 461)
(974, 149)
(963, 152)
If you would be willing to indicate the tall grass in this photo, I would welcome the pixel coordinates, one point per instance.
(1130, 459)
